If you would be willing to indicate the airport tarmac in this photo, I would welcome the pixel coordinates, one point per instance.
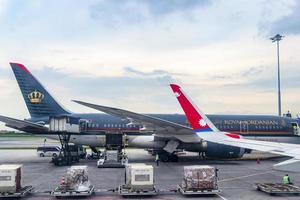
(25, 142)
(236, 178)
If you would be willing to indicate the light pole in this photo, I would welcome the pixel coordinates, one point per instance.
(276, 39)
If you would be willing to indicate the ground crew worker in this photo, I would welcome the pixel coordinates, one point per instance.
(286, 179)
(157, 159)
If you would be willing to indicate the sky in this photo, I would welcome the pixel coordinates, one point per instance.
(125, 53)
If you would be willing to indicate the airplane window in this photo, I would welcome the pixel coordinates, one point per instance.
(104, 125)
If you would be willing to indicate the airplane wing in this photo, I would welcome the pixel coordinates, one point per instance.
(23, 125)
(205, 129)
(163, 128)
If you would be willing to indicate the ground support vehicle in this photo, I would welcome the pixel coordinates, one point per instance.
(50, 151)
(199, 180)
(127, 191)
(113, 155)
(113, 158)
(24, 191)
(61, 191)
(62, 160)
(186, 192)
(74, 183)
(139, 181)
(278, 188)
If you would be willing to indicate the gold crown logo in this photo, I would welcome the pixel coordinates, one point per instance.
(35, 97)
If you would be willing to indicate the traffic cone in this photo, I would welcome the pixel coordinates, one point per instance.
(258, 161)
(62, 181)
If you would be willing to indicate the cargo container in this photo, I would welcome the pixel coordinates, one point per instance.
(199, 179)
(138, 180)
(114, 139)
(74, 183)
(64, 124)
(10, 178)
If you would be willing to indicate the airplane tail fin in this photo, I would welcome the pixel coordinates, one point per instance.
(197, 119)
(38, 101)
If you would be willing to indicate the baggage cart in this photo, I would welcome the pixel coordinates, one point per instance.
(127, 191)
(139, 181)
(62, 192)
(278, 188)
(199, 180)
(22, 192)
(186, 192)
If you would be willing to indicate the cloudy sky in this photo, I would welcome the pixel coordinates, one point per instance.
(125, 53)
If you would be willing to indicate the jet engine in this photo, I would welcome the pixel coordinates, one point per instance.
(214, 150)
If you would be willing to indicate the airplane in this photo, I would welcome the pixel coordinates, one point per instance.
(164, 140)
(207, 131)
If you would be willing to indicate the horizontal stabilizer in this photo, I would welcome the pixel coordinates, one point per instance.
(291, 165)
(23, 125)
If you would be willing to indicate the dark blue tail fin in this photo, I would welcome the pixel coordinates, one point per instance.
(38, 101)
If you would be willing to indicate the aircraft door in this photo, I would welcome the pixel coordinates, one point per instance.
(83, 125)
(295, 127)
(244, 127)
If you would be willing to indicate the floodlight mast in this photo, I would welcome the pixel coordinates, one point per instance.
(276, 39)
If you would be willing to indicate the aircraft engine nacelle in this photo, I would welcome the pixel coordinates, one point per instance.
(214, 150)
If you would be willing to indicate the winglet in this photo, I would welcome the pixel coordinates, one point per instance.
(197, 119)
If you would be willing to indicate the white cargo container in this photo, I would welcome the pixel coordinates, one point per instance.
(64, 124)
(10, 178)
(138, 181)
(139, 176)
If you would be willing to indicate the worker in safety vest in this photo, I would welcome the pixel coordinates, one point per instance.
(157, 159)
(286, 179)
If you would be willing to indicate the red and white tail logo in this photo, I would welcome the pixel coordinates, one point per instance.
(197, 119)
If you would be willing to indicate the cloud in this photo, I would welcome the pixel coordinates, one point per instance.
(155, 72)
(80, 49)
(245, 76)
(289, 24)
(114, 13)
(253, 71)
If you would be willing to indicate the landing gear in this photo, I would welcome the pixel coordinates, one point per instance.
(95, 150)
(95, 153)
